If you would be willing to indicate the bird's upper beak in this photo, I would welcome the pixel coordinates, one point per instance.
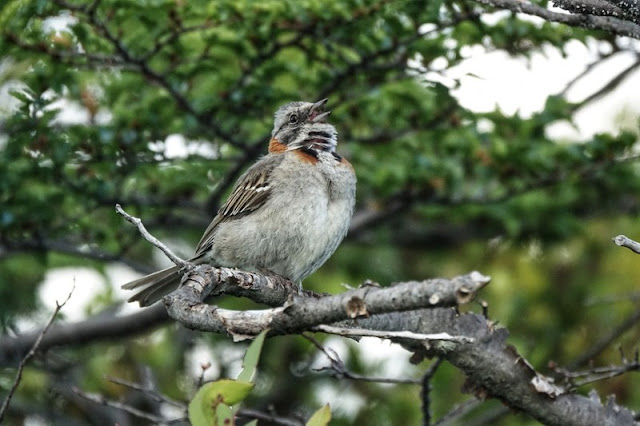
(317, 113)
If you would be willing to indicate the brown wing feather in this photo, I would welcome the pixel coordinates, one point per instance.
(250, 192)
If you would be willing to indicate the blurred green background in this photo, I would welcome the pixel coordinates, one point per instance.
(160, 105)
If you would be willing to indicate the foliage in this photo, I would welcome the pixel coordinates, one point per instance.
(174, 99)
(322, 417)
(212, 404)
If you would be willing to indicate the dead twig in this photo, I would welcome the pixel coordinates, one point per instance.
(338, 369)
(153, 240)
(30, 354)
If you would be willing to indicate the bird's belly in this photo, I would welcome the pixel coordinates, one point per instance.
(289, 236)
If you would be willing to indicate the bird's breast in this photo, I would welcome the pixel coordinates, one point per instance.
(299, 226)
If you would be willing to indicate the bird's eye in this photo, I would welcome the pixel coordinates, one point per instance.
(293, 118)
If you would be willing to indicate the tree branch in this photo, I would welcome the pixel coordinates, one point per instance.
(624, 241)
(426, 391)
(576, 379)
(101, 400)
(90, 330)
(337, 368)
(148, 390)
(269, 417)
(492, 367)
(609, 87)
(150, 238)
(30, 354)
(596, 7)
(495, 369)
(600, 59)
(603, 343)
(456, 413)
(606, 23)
(303, 313)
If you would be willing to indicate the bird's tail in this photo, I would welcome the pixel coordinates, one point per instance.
(154, 286)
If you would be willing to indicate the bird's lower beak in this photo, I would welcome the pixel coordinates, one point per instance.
(317, 112)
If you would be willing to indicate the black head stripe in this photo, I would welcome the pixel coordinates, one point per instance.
(310, 151)
(316, 153)
(320, 135)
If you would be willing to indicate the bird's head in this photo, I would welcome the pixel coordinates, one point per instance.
(303, 125)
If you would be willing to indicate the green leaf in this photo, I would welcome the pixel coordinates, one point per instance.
(322, 417)
(22, 95)
(251, 358)
(224, 415)
(203, 408)
(199, 415)
(8, 10)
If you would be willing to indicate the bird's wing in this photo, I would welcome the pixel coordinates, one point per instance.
(250, 192)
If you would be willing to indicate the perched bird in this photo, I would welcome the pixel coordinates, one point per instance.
(286, 214)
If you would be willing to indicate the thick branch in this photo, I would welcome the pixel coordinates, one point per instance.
(271, 291)
(610, 24)
(90, 330)
(301, 314)
(597, 7)
(495, 369)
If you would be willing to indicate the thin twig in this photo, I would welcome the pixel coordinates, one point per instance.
(607, 88)
(148, 390)
(453, 416)
(633, 296)
(339, 370)
(360, 332)
(203, 369)
(580, 378)
(31, 353)
(269, 417)
(153, 240)
(601, 58)
(99, 399)
(426, 391)
(484, 418)
(605, 341)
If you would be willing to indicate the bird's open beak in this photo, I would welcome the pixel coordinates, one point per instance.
(317, 112)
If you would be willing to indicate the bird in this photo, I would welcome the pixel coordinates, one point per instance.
(286, 215)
